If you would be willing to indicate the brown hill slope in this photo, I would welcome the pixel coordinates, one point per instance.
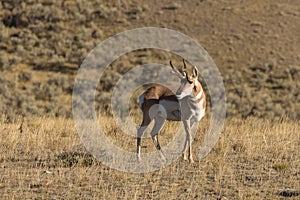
(255, 44)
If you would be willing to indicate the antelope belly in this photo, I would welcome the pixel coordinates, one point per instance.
(172, 109)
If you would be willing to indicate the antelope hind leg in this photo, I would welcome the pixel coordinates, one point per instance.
(140, 132)
(159, 122)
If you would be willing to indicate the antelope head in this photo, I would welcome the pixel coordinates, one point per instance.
(189, 81)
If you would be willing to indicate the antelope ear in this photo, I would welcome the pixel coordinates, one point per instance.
(195, 72)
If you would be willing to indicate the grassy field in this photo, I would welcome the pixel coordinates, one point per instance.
(43, 158)
(255, 46)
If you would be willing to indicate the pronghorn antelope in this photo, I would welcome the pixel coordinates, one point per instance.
(187, 105)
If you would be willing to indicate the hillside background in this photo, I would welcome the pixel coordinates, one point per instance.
(255, 45)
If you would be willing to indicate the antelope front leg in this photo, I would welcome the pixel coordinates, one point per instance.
(185, 150)
(187, 128)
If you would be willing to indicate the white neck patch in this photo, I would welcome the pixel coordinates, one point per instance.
(199, 94)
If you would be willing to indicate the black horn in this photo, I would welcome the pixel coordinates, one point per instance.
(184, 65)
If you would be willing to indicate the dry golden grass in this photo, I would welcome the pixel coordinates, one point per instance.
(43, 158)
